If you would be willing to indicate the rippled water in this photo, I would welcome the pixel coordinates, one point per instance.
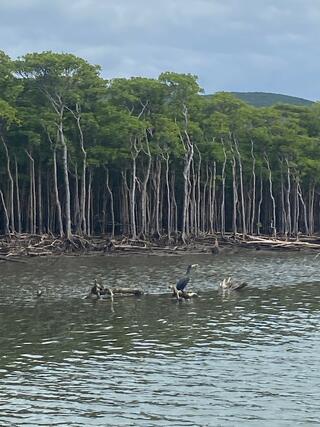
(248, 359)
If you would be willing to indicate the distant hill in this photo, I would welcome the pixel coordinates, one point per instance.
(264, 99)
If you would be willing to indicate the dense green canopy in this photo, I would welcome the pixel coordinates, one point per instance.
(148, 157)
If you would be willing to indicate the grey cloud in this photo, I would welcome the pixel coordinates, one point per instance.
(230, 44)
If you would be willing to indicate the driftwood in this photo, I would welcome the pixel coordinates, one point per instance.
(34, 245)
(98, 291)
(229, 285)
(182, 295)
(9, 259)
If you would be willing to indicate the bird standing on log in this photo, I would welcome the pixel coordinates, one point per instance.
(182, 283)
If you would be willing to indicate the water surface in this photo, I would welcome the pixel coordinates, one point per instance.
(247, 359)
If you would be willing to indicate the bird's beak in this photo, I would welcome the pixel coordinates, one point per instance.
(195, 265)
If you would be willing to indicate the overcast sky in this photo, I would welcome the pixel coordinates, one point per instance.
(232, 45)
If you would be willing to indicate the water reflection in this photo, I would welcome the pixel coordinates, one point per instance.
(235, 359)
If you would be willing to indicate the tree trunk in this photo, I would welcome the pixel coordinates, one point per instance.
(111, 204)
(273, 221)
(6, 216)
(243, 207)
(40, 216)
(18, 196)
(223, 179)
(235, 196)
(11, 204)
(253, 213)
(56, 192)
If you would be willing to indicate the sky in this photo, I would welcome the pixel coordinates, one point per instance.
(231, 45)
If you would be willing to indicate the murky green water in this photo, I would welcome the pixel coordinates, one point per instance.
(250, 359)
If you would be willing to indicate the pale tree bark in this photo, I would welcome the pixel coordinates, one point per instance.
(77, 116)
(174, 205)
(235, 196)
(11, 204)
(6, 216)
(33, 204)
(76, 203)
(59, 108)
(89, 201)
(189, 151)
(209, 210)
(243, 207)
(135, 150)
(273, 221)
(253, 212)
(311, 208)
(288, 199)
(145, 181)
(213, 196)
(259, 224)
(204, 202)
(166, 156)
(18, 195)
(198, 202)
(40, 216)
(284, 225)
(55, 185)
(305, 216)
(111, 204)
(157, 199)
(223, 179)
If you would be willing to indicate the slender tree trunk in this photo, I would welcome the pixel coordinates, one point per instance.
(6, 216)
(288, 199)
(40, 216)
(157, 204)
(89, 206)
(76, 204)
(203, 205)
(111, 204)
(11, 203)
(243, 207)
(273, 221)
(223, 179)
(56, 192)
(169, 219)
(33, 204)
(134, 154)
(305, 217)
(259, 224)
(125, 204)
(66, 181)
(311, 208)
(253, 212)
(189, 151)
(144, 190)
(18, 196)
(174, 209)
(235, 196)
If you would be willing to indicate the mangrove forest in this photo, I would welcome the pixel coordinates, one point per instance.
(149, 158)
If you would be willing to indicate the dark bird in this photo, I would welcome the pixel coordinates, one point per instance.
(97, 289)
(182, 283)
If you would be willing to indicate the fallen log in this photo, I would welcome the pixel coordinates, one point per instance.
(6, 258)
(100, 292)
(126, 291)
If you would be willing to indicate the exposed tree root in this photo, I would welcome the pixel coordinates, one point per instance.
(34, 245)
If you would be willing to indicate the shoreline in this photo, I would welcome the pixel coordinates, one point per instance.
(15, 247)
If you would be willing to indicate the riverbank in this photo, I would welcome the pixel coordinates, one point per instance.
(26, 245)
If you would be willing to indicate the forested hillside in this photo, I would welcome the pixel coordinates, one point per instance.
(148, 157)
(265, 99)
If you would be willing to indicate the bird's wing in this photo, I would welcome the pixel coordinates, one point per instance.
(182, 283)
